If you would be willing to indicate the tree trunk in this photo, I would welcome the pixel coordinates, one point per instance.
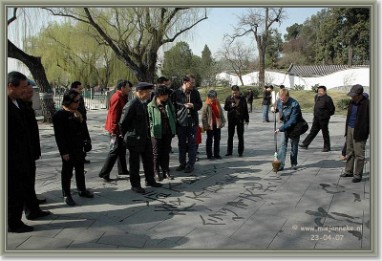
(38, 72)
(261, 66)
(350, 56)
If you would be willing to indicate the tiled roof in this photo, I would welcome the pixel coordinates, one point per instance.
(317, 70)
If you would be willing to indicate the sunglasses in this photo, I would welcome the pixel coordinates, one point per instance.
(76, 101)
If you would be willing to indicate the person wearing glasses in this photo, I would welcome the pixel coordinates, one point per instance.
(77, 86)
(70, 134)
(187, 103)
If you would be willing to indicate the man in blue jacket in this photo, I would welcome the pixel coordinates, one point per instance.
(290, 114)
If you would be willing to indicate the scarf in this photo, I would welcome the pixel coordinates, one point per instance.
(215, 114)
(76, 113)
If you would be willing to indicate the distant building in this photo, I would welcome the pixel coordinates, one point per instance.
(332, 76)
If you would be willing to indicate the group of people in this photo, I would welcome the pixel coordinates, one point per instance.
(357, 127)
(145, 125)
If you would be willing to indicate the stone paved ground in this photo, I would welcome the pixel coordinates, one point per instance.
(233, 204)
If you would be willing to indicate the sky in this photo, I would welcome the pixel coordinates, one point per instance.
(222, 20)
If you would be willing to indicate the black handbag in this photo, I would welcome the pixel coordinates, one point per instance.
(183, 117)
(298, 129)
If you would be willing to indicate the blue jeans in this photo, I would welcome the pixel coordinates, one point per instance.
(283, 149)
(265, 112)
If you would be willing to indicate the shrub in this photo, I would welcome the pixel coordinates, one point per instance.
(343, 104)
(298, 87)
(315, 87)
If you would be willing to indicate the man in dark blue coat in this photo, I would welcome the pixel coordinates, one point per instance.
(357, 131)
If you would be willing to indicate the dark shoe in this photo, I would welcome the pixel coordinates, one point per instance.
(20, 229)
(41, 200)
(294, 167)
(356, 179)
(240, 154)
(189, 169)
(180, 167)
(86, 161)
(346, 175)
(209, 157)
(228, 154)
(69, 201)
(86, 194)
(124, 173)
(38, 214)
(138, 189)
(153, 184)
(325, 150)
(218, 157)
(303, 146)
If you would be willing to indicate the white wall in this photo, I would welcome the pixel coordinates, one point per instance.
(337, 79)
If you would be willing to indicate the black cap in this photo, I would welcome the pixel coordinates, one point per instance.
(162, 90)
(143, 86)
(212, 93)
(235, 88)
(355, 90)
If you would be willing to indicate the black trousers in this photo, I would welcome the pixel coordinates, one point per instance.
(146, 153)
(318, 125)
(117, 151)
(213, 136)
(17, 187)
(67, 173)
(31, 203)
(239, 126)
(161, 153)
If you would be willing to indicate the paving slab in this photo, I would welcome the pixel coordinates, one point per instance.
(236, 203)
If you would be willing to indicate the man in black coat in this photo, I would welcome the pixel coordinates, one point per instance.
(323, 109)
(135, 128)
(19, 153)
(32, 209)
(237, 115)
(357, 131)
(187, 103)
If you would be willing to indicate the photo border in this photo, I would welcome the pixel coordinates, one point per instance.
(374, 134)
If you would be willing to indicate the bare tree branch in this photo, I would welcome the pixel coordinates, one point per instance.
(14, 17)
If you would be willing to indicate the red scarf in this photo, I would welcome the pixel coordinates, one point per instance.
(215, 109)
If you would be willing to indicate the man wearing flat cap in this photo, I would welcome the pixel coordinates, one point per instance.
(356, 133)
(135, 128)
